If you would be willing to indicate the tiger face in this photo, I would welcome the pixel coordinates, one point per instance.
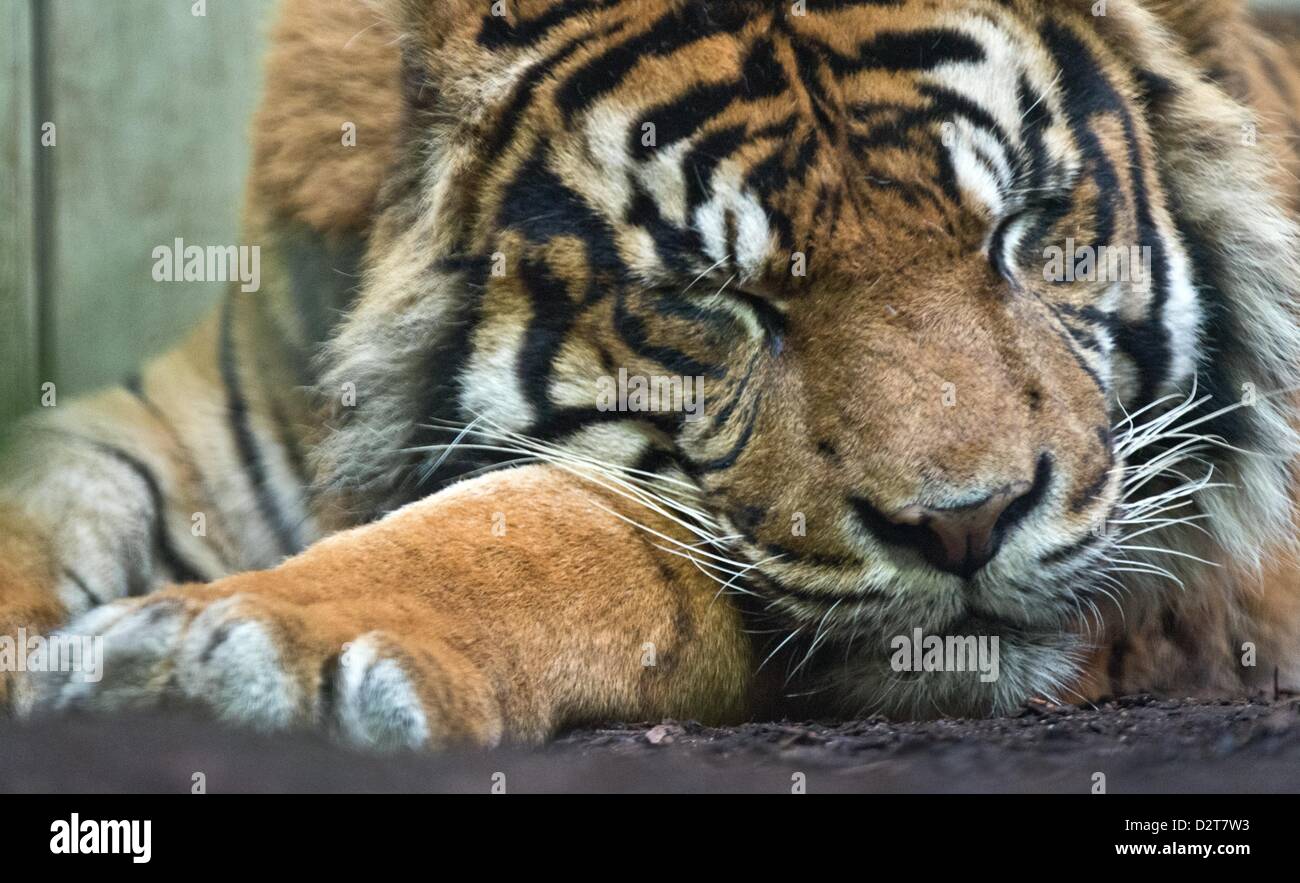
(919, 262)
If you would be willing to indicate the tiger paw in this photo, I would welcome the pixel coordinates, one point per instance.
(272, 665)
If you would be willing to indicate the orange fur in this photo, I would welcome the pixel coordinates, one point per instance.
(332, 62)
(560, 615)
(516, 635)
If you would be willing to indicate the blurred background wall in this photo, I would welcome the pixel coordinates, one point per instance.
(150, 104)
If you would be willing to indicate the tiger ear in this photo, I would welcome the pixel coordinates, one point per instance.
(330, 120)
(1201, 23)
(330, 116)
(1223, 187)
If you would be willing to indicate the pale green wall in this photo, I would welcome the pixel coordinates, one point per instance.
(18, 313)
(151, 105)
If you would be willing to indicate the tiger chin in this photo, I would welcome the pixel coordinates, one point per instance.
(424, 523)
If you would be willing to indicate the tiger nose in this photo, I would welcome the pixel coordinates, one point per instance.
(963, 539)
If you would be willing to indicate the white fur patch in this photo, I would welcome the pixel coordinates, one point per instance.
(377, 704)
(1182, 311)
(991, 85)
(491, 386)
(664, 177)
(232, 663)
(731, 203)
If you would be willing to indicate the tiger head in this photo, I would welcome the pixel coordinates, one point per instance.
(950, 300)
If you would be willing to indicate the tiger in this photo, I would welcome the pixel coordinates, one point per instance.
(385, 496)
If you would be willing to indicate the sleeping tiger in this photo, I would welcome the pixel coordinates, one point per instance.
(387, 496)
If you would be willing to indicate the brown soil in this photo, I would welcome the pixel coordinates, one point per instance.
(1140, 744)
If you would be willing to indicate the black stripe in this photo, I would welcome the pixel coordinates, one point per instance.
(605, 73)
(632, 329)
(737, 393)
(1089, 93)
(554, 313)
(762, 76)
(1093, 490)
(773, 173)
(810, 65)
(1020, 507)
(496, 31)
(242, 432)
(135, 385)
(1067, 336)
(1220, 328)
(674, 305)
(948, 104)
(704, 157)
(81, 584)
(504, 128)
(540, 205)
(1085, 339)
(909, 51)
(680, 118)
(1036, 118)
(442, 367)
(727, 460)
(769, 318)
(657, 460)
(998, 246)
(675, 248)
(1070, 552)
(168, 555)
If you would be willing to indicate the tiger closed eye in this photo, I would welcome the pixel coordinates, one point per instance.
(757, 312)
(1043, 213)
(769, 318)
(1001, 238)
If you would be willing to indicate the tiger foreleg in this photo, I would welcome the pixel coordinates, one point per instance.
(29, 600)
(503, 608)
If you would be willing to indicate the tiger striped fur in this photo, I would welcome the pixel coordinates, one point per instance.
(836, 215)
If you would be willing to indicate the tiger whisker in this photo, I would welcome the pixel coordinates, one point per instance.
(558, 458)
(769, 656)
(818, 637)
(729, 585)
(696, 280)
(501, 433)
(1129, 567)
(1160, 550)
(1168, 522)
(627, 486)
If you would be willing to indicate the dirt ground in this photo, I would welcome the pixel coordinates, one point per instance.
(1140, 744)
